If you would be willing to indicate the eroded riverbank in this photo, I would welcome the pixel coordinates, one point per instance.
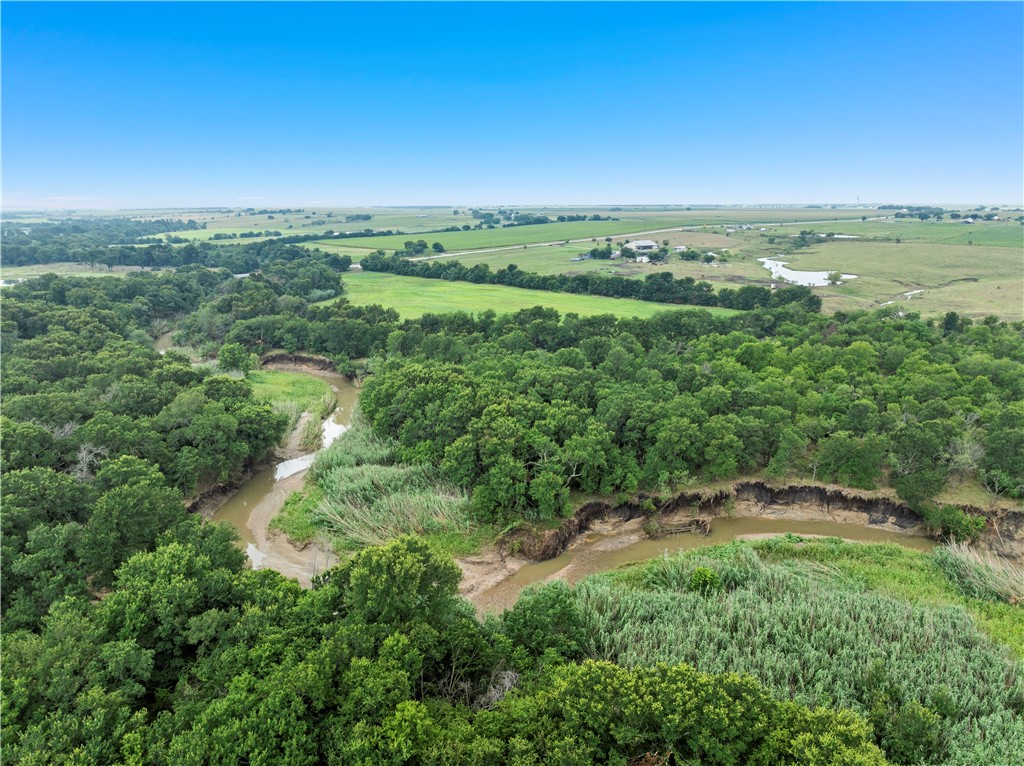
(614, 542)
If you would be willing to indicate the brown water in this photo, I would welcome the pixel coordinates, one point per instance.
(261, 497)
(602, 551)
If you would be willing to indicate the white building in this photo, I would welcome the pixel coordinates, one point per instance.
(642, 246)
(642, 259)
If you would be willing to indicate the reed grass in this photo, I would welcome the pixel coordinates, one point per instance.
(292, 411)
(312, 434)
(367, 499)
(980, 574)
(810, 631)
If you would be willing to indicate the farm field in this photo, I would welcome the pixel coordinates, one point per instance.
(11, 273)
(986, 277)
(515, 235)
(412, 297)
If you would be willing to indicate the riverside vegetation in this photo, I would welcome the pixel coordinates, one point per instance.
(134, 633)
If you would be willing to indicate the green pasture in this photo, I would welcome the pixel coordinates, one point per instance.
(412, 297)
(973, 280)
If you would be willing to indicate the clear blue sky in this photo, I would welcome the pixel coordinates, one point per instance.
(110, 105)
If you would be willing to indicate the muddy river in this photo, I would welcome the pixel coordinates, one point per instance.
(257, 500)
(602, 550)
(490, 582)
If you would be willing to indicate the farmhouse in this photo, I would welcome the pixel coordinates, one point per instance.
(642, 246)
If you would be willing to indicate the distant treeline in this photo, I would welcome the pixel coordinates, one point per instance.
(124, 242)
(659, 288)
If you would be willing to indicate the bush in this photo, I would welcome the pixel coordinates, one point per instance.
(704, 580)
(951, 523)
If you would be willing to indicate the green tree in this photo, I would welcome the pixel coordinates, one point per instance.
(233, 356)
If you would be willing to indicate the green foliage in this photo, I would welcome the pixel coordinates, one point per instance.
(546, 619)
(234, 357)
(704, 580)
(952, 523)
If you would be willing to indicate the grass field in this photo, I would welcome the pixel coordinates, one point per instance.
(986, 277)
(277, 386)
(65, 270)
(514, 235)
(973, 280)
(412, 297)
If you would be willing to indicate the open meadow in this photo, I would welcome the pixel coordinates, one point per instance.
(412, 297)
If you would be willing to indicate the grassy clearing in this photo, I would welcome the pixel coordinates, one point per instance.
(308, 393)
(11, 273)
(413, 297)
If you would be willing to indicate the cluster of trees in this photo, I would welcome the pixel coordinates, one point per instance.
(583, 217)
(243, 235)
(522, 419)
(103, 438)
(193, 659)
(661, 287)
(418, 247)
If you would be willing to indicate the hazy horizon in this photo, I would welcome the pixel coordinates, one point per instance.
(166, 105)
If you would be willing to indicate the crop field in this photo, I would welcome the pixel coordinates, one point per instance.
(412, 297)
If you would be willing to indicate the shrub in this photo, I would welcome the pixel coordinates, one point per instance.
(951, 523)
(704, 580)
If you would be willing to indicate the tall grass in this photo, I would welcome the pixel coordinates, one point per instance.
(312, 435)
(292, 411)
(369, 500)
(979, 574)
(813, 634)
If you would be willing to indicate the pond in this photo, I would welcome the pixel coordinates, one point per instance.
(779, 270)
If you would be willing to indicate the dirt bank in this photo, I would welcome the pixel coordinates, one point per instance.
(1004, 532)
(280, 360)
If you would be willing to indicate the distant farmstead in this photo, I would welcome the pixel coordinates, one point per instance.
(642, 246)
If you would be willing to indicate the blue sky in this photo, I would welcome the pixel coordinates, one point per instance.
(162, 104)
